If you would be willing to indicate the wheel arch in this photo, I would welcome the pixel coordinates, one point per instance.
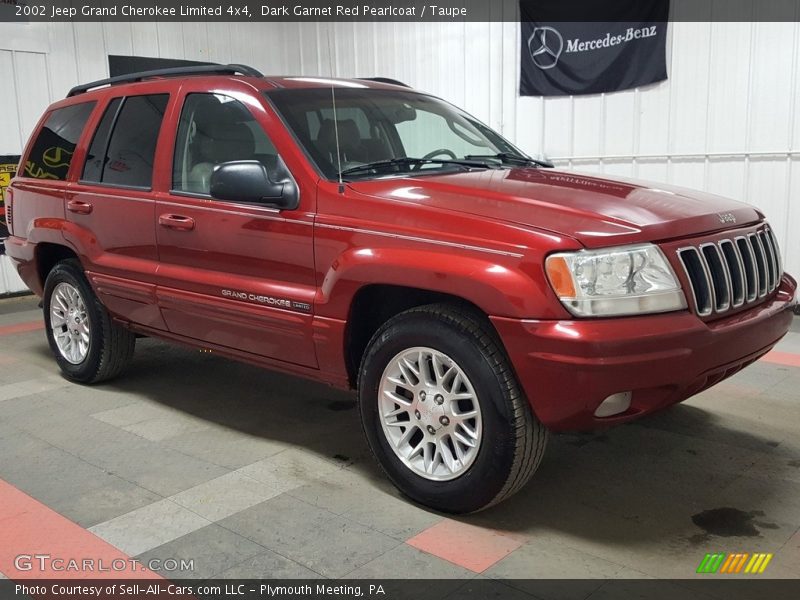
(374, 304)
(48, 255)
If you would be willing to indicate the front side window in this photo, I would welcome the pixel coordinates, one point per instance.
(123, 149)
(215, 129)
(51, 152)
(383, 125)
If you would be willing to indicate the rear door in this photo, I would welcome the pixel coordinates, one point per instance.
(233, 274)
(112, 205)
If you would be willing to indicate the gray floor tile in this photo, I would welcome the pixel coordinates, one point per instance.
(225, 495)
(146, 463)
(391, 514)
(317, 539)
(92, 399)
(32, 386)
(211, 550)
(290, 469)
(114, 498)
(226, 447)
(547, 559)
(132, 413)
(162, 428)
(343, 489)
(406, 562)
(52, 476)
(269, 565)
(149, 527)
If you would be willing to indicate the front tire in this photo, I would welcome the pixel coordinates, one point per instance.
(88, 345)
(443, 413)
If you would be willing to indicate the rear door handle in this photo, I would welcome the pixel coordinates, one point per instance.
(178, 222)
(82, 208)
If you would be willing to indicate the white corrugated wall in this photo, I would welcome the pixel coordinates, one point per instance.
(727, 121)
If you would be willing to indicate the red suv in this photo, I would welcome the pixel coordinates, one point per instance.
(369, 236)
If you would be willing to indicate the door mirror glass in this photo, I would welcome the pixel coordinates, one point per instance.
(248, 181)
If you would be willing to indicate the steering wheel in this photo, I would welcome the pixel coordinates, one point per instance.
(449, 153)
(430, 155)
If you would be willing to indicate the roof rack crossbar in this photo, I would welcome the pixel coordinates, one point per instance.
(385, 80)
(171, 72)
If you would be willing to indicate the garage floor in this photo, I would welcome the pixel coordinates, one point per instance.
(253, 474)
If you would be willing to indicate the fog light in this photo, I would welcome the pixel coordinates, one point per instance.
(614, 404)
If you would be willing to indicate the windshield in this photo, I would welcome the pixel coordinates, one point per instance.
(385, 127)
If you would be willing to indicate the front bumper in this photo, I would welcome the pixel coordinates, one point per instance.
(567, 368)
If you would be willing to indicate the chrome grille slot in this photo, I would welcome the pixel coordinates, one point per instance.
(777, 250)
(736, 272)
(750, 271)
(761, 264)
(719, 276)
(731, 273)
(697, 272)
(772, 267)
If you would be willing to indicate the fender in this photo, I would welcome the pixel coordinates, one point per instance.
(82, 242)
(47, 230)
(499, 285)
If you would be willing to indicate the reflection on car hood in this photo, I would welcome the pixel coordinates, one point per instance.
(597, 211)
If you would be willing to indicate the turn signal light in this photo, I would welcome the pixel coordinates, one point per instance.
(560, 276)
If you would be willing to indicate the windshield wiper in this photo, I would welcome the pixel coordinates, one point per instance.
(515, 159)
(412, 162)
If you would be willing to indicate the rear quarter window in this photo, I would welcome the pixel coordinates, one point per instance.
(51, 153)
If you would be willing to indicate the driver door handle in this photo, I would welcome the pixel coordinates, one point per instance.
(82, 208)
(177, 222)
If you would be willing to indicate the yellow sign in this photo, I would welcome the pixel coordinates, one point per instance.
(7, 171)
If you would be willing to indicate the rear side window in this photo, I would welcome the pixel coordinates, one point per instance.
(124, 145)
(51, 152)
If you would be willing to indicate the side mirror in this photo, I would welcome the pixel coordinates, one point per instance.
(249, 181)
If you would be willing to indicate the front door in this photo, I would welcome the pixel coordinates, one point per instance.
(232, 274)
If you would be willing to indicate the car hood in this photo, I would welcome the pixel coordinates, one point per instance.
(597, 211)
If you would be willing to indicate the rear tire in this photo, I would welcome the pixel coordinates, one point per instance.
(88, 345)
(461, 352)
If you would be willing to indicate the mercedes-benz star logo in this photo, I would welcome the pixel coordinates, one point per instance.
(545, 45)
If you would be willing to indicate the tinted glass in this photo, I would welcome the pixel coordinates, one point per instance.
(214, 129)
(51, 152)
(93, 168)
(130, 152)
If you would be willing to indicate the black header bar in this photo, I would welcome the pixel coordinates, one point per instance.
(388, 10)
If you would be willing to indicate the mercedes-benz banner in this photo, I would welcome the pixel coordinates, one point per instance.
(571, 58)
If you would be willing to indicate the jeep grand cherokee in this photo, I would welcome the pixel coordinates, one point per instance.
(373, 237)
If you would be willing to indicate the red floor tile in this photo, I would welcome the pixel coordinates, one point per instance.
(782, 358)
(468, 546)
(21, 327)
(28, 527)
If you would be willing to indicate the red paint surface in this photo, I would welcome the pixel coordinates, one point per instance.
(29, 527)
(474, 548)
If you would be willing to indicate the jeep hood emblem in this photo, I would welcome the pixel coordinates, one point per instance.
(726, 218)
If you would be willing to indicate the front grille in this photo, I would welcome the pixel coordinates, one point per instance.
(733, 272)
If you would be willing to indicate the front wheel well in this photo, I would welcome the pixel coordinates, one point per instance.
(373, 305)
(48, 256)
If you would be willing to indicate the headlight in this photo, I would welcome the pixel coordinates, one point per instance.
(628, 280)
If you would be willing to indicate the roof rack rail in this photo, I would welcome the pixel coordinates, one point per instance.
(171, 72)
(385, 80)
